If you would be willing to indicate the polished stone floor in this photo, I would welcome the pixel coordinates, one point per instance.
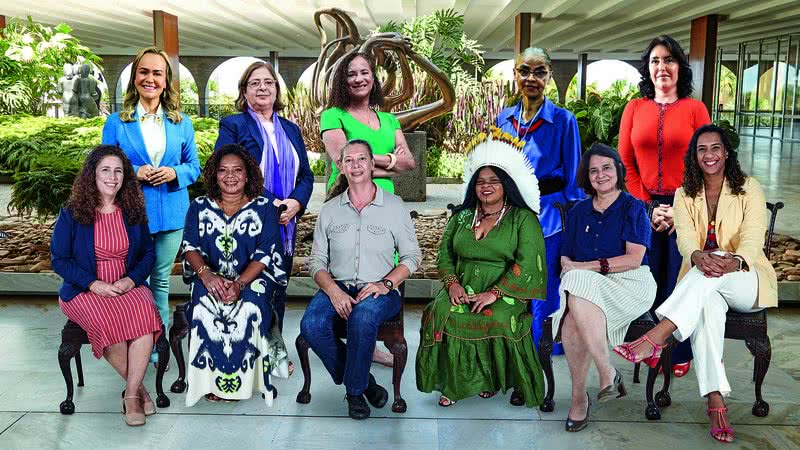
(31, 388)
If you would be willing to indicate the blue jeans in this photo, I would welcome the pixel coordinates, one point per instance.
(348, 363)
(665, 264)
(167, 244)
(541, 310)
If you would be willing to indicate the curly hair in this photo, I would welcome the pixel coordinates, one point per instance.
(340, 91)
(253, 184)
(598, 149)
(646, 87)
(241, 102)
(693, 181)
(85, 198)
(169, 96)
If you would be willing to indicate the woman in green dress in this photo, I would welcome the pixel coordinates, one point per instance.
(476, 334)
(353, 113)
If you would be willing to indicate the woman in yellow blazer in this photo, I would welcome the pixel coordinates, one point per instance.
(720, 216)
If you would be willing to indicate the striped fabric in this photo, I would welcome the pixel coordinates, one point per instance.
(622, 296)
(109, 320)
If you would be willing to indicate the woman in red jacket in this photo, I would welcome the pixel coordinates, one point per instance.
(654, 134)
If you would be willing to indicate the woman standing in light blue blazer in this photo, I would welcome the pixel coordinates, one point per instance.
(159, 141)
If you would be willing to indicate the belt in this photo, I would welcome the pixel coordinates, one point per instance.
(551, 185)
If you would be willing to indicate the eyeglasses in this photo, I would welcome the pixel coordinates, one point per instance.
(524, 73)
(255, 84)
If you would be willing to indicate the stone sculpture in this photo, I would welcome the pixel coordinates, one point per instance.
(64, 87)
(85, 88)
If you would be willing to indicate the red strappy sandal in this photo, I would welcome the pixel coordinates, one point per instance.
(725, 427)
(627, 352)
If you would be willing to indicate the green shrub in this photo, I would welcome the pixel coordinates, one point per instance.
(318, 167)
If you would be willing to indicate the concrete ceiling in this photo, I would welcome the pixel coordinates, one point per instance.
(603, 28)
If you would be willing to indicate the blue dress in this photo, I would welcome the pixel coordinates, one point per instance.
(234, 348)
(553, 146)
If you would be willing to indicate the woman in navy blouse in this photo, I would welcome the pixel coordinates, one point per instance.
(605, 281)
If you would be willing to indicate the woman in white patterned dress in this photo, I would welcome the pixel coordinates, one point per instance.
(232, 258)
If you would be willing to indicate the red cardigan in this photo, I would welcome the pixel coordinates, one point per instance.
(653, 139)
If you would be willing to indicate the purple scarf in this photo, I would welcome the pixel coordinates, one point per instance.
(278, 178)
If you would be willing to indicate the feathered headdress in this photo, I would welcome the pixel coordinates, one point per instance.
(500, 149)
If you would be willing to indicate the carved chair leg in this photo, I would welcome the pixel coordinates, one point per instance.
(652, 412)
(304, 396)
(663, 399)
(66, 352)
(162, 347)
(545, 359)
(79, 368)
(399, 350)
(761, 348)
(176, 334)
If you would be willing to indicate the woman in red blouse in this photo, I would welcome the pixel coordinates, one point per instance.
(654, 134)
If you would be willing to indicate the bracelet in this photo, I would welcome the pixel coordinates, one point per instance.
(604, 267)
(202, 269)
(392, 161)
(498, 294)
(449, 280)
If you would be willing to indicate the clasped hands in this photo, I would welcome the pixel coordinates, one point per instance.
(662, 219)
(458, 296)
(222, 289)
(714, 265)
(155, 176)
(343, 303)
(114, 289)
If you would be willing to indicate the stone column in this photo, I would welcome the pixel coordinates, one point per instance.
(583, 61)
(165, 37)
(702, 57)
(113, 65)
(411, 185)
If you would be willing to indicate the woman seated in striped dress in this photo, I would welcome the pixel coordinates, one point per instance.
(101, 247)
(605, 281)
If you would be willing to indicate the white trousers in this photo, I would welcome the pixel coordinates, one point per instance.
(697, 307)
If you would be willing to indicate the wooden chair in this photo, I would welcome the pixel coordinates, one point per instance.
(391, 333)
(752, 329)
(73, 337)
(638, 327)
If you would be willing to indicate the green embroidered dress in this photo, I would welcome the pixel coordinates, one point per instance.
(462, 353)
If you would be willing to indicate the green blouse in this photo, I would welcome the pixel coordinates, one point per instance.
(381, 140)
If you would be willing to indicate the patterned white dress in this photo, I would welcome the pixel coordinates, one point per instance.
(234, 349)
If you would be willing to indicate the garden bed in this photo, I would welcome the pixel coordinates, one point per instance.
(27, 247)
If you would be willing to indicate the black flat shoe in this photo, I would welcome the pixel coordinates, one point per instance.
(614, 390)
(376, 395)
(573, 426)
(357, 407)
(516, 398)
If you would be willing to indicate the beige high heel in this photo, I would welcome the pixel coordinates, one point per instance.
(149, 407)
(132, 419)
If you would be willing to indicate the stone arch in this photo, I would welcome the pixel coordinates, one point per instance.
(504, 70)
(597, 72)
(222, 87)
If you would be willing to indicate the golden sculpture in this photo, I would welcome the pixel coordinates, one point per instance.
(392, 52)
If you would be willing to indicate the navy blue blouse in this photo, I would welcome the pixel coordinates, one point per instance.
(591, 235)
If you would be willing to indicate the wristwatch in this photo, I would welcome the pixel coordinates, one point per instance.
(388, 283)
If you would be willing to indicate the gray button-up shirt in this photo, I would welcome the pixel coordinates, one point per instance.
(359, 248)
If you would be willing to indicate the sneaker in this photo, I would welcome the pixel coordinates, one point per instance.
(357, 407)
(375, 393)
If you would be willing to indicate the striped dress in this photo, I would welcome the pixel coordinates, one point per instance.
(110, 320)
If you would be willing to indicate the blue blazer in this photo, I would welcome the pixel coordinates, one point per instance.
(243, 130)
(72, 254)
(168, 203)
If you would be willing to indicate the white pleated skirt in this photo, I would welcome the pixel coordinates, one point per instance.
(622, 296)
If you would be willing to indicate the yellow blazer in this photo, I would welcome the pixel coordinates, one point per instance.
(741, 228)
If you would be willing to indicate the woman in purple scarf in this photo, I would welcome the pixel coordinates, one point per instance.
(277, 145)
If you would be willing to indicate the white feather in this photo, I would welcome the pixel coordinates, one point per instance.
(514, 162)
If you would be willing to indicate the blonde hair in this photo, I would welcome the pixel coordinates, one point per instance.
(169, 97)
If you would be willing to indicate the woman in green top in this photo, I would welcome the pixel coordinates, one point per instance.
(353, 113)
(476, 334)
